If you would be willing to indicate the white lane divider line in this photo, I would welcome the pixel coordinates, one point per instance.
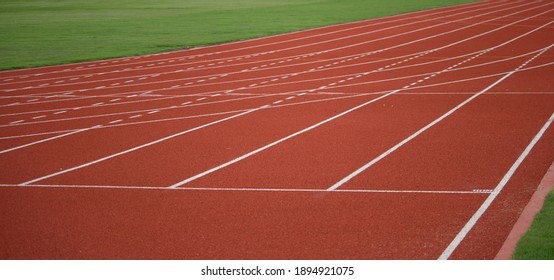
(492, 196)
(49, 139)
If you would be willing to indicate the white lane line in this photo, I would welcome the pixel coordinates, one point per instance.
(116, 121)
(16, 122)
(486, 204)
(411, 137)
(135, 116)
(49, 139)
(249, 189)
(39, 117)
(141, 146)
(60, 112)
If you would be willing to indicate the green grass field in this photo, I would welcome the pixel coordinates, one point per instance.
(538, 242)
(46, 32)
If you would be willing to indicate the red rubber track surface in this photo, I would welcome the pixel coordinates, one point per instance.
(416, 136)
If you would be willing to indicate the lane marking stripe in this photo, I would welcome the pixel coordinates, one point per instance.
(486, 204)
(251, 189)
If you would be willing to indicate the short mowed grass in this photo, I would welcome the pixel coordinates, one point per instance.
(46, 32)
(538, 242)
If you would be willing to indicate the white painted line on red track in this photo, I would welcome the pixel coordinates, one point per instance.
(141, 146)
(492, 196)
(392, 191)
(48, 139)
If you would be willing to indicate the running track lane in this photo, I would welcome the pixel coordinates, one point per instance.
(273, 205)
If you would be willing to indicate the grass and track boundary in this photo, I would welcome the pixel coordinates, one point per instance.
(538, 242)
(45, 32)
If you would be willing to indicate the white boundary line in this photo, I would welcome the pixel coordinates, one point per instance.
(487, 203)
(253, 189)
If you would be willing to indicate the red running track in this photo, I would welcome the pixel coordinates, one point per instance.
(416, 136)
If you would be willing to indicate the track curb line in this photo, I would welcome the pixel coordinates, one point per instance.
(527, 216)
